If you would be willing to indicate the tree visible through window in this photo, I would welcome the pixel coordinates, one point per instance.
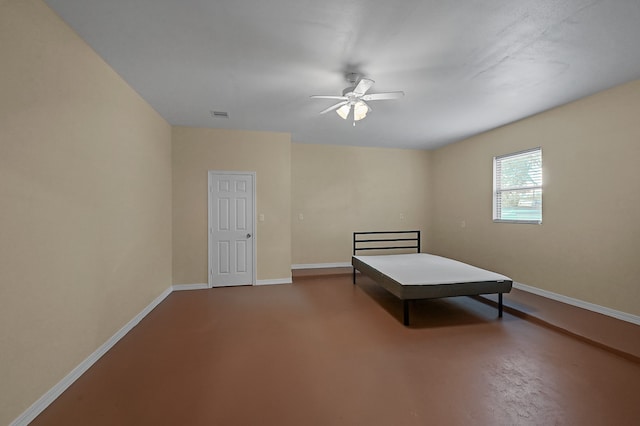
(517, 187)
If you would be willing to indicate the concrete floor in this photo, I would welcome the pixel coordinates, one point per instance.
(325, 352)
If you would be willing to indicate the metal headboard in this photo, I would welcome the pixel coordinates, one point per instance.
(386, 240)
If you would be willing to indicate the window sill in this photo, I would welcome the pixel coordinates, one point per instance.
(526, 222)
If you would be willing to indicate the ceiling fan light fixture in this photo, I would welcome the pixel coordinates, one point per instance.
(343, 111)
(360, 110)
(357, 98)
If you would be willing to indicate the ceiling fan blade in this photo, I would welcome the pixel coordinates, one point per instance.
(334, 107)
(382, 96)
(342, 98)
(363, 85)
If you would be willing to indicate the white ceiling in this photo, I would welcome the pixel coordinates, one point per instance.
(465, 66)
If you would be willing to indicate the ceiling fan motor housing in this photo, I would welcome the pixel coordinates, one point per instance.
(348, 93)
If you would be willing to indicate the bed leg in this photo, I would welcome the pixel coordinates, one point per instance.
(354, 276)
(405, 312)
(500, 305)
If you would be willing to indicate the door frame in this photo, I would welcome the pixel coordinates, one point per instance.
(210, 227)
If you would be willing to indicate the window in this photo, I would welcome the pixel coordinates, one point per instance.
(517, 187)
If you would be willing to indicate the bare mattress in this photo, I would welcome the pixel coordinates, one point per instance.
(426, 276)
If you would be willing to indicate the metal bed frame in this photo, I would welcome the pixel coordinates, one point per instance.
(408, 240)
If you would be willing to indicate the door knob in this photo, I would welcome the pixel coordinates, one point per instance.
(248, 235)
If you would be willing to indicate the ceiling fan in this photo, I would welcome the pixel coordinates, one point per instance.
(354, 97)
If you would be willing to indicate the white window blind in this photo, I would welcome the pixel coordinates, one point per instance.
(517, 187)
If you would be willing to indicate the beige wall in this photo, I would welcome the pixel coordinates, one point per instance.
(588, 246)
(341, 189)
(195, 152)
(85, 203)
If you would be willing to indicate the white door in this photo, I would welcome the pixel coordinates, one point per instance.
(231, 228)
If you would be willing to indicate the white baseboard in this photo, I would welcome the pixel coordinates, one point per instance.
(50, 396)
(580, 303)
(321, 265)
(276, 281)
(183, 287)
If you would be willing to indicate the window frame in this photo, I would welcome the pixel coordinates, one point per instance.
(497, 191)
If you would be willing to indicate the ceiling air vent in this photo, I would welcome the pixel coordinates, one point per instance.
(219, 114)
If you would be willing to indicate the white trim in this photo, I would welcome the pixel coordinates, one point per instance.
(634, 319)
(321, 265)
(45, 400)
(277, 281)
(182, 287)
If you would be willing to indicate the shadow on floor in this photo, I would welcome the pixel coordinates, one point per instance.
(432, 313)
